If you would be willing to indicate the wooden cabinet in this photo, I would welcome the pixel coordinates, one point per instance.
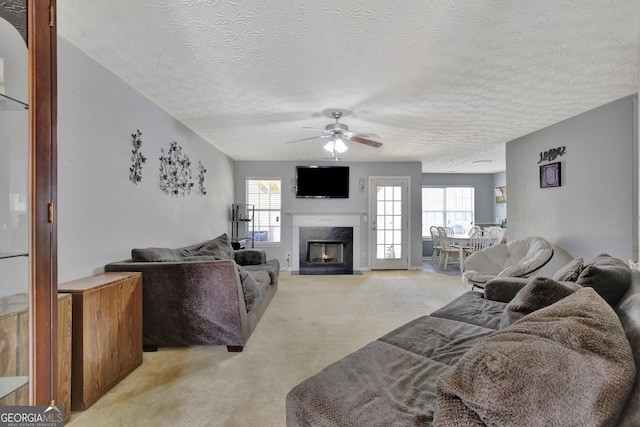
(14, 367)
(14, 341)
(107, 333)
(65, 304)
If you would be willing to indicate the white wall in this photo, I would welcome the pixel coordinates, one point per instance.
(592, 212)
(101, 214)
(357, 202)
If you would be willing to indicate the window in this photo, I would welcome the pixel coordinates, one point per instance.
(264, 194)
(448, 207)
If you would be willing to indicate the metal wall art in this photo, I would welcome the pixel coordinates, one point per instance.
(203, 191)
(175, 171)
(550, 155)
(137, 158)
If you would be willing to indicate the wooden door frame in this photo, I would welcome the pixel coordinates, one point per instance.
(43, 304)
(35, 20)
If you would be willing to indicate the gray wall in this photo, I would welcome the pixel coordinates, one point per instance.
(593, 210)
(357, 202)
(101, 214)
(500, 209)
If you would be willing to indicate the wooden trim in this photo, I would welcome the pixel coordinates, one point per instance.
(43, 343)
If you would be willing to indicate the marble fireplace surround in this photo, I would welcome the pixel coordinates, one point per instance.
(342, 219)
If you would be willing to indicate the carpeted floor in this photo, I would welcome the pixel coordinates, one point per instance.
(311, 322)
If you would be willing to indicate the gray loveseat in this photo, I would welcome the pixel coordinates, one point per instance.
(559, 351)
(207, 293)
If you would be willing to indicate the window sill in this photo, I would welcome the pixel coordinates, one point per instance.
(266, 244)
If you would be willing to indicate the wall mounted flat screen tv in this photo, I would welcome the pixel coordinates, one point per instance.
(322, 182)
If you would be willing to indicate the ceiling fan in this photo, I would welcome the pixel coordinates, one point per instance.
(338, 133)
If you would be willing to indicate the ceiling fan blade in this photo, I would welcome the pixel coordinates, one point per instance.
(365, 141)
(308, 139)
(362, 135)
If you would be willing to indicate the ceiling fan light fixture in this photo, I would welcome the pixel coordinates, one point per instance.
(336, 145)
(340, 146)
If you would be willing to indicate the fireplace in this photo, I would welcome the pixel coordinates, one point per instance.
(326, 250)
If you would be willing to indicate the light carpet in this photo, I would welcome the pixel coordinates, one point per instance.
(311, 322)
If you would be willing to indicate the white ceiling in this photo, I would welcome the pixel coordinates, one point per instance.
(443, 82)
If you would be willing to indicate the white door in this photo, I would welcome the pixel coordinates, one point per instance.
(389, 207)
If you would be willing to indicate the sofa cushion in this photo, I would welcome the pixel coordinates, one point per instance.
(471, 307)
(157, 254)
(251, 288)
(566, 364)
(220, 246)
(272, 267)
(540, 292)
(261, 277)
(201, 258)
(442, 340)
(377, 385)
(628, 310)
(609, 276)
(570, 272)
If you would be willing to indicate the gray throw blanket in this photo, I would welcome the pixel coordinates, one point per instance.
(568, 364)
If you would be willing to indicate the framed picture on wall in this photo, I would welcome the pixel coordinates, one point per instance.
(501, 194)
(550, 175)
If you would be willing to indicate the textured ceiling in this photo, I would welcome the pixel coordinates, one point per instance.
(443, 82)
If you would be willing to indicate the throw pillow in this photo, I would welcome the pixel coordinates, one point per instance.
(220, 247)
(540, 292)
(610, 277)
(570, 272)
(157, 255)
(504, 289)
(566, 364)
(250, 288)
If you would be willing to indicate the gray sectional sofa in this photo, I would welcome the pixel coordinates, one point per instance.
(207, 293)
(560, 351)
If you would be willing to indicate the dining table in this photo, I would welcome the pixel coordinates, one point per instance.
(461, 240)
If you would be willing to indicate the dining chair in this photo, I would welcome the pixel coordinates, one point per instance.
(473, 230)
(435, 236)
(479, 241)
(448, 247)
(449, 231)
(496, 234)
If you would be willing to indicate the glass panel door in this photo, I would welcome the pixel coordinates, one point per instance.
(390, 223)
(14, 220)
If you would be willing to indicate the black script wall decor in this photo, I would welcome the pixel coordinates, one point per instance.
(552, 154)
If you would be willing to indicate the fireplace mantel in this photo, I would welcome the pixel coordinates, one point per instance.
(324, 219)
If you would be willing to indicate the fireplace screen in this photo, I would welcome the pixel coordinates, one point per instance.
(325, 252)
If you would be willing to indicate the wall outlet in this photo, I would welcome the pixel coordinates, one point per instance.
(364, 254)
